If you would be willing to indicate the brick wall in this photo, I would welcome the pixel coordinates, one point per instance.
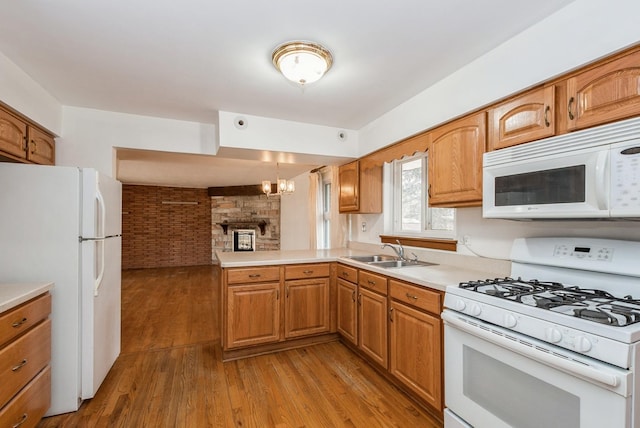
(161, 235)
(246, 208)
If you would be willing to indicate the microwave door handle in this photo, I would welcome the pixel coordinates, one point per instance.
(602, 180)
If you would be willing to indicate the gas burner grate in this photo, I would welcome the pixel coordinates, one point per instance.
(590, 304)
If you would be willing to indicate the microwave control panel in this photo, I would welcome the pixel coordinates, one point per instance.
(625, 179)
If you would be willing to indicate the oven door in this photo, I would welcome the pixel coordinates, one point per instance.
(496, 378)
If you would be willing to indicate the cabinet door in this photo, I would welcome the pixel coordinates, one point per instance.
(307, 307)
(416, 352)
(347, 311)
(253, 314)
(13, 135)
(349, 177)
(372, 326)
(526, 118)
(604, 94)
(455, 162)
(41, 147)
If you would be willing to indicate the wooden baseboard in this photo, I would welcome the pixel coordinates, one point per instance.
(236, 354)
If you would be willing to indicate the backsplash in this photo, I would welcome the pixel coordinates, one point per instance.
(245, 209)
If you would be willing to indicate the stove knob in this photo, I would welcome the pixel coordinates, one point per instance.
(583, 344)
(475, 310)
(509, 321)
(461, 305)
(553, 335)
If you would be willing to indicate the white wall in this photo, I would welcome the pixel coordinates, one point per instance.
(294, 216)
(582, 32)
(285, 136)
(21, 92)
(89, 137)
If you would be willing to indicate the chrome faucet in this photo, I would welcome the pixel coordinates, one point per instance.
(399, 250)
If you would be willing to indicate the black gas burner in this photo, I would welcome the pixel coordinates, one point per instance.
(590, 304)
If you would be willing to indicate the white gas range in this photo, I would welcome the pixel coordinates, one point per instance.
(554, 345)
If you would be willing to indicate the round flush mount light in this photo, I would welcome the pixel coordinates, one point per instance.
(302, 62)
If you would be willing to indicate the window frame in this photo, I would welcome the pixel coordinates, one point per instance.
(426, 214)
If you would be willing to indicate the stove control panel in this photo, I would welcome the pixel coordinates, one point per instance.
(603, 254)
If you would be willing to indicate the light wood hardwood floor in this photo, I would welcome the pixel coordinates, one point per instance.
(170, 372)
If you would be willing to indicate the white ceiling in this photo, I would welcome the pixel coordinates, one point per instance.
(189, 59)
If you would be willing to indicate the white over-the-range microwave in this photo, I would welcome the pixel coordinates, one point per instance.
(590, 174)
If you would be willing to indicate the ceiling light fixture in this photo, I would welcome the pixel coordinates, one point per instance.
(302, 62)
(283, 186)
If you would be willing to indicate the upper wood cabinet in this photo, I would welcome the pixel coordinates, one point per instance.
(22, 142)
(13, 135)
(608, 92)
(455, 162)
(519, 120)
(360, 189)
(40, 147)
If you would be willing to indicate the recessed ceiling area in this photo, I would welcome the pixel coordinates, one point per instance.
(190, 59)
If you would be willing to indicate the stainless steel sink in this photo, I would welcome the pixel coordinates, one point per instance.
(400, 263)
(373, 259)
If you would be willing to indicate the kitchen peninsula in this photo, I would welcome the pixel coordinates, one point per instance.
(275, 300)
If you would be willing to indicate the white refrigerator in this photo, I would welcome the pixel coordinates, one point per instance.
(63, 224)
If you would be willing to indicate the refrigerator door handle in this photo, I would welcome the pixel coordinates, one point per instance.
(102, 219)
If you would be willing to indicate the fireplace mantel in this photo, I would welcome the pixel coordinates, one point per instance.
(260, 223)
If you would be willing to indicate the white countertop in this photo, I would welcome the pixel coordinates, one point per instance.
(14, 294)
(436, 276)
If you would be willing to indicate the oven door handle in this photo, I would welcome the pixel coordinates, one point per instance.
(533, 353)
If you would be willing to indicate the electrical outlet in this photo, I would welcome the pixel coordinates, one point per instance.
(466, 240)
(364, 226)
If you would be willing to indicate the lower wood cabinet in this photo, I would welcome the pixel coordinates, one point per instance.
(416, 339)
(348, 310)
(307, 307)
(266, 307)
(416, 352)
(372, 326)
(25, 353)
(253, 314)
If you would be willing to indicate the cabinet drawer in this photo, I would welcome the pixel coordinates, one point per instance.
(22, 359)
(348, 273)
(27, 408)
(416, 296)
(23, 317)
(314, 270)
(372, 281)
(249, 275)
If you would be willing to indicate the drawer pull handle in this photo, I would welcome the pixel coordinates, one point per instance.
(570, 107)
(371, 282)
(546, 116)
(307, 272)
(411, 296)
(19, 366)
(254, 275)
(21, 421)
(345, 273)
(19, 323)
